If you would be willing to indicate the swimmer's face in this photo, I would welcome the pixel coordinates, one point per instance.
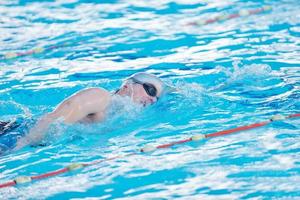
(143, 94)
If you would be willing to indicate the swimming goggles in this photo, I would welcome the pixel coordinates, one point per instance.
(148, 87)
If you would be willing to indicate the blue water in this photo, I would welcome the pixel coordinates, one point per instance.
(228, 74)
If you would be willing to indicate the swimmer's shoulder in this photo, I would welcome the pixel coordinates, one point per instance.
(94, 92)
(89, 100)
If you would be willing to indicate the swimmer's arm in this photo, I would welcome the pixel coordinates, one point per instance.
(71, 110)
(37, 133)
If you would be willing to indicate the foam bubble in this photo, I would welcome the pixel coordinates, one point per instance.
(246, 72)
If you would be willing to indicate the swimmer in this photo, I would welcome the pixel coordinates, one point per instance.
(90, 105)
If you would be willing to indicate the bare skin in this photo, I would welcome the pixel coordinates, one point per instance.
(87, 106)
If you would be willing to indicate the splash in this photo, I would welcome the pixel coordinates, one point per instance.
(248, 72)
(192, 92)
(123, 107)
(244, 75)
(121, 112)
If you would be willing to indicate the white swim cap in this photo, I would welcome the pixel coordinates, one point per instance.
(144, 77)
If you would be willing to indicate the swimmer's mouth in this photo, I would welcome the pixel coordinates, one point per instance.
(145, 103)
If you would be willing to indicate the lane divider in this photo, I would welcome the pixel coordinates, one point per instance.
(148, 148)
(223, 17)
(38, 50)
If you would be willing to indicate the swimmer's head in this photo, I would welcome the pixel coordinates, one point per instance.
(143, 88)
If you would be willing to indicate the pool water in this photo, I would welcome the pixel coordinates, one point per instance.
(229, 73)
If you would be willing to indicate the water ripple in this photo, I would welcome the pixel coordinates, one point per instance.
(228, 73)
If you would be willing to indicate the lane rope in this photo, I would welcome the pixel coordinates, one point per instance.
(147, 148)
(223, 17)
(36, 50)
